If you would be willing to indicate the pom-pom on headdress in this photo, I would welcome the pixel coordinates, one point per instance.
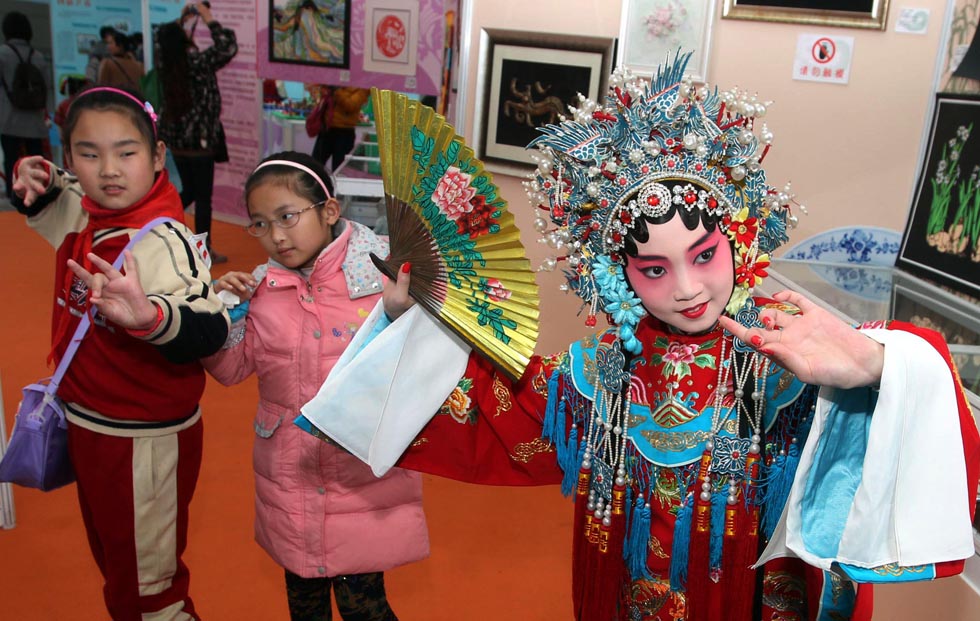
(650, 145)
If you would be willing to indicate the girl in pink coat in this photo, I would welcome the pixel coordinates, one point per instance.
(319, 511)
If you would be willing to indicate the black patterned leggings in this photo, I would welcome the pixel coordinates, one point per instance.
(360, 597)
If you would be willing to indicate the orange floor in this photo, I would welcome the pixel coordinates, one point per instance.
(497, 553)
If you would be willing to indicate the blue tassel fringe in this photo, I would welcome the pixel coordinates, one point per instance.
(682, 544)
(638, 540)
(569, 467)
(552, 414)
(719, 501)
(780, 480)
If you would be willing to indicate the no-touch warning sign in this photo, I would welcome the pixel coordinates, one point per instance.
(823, 58)
(824, 50)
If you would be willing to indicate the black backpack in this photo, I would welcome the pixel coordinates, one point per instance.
(28, 91)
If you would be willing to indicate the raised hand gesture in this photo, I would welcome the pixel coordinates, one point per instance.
(32, 179)
(118, 296)
(814, 345)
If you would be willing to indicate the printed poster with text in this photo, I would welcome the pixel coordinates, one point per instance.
(75, 28)
(241, 98)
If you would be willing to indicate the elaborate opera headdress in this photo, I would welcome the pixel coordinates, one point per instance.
(651, 145)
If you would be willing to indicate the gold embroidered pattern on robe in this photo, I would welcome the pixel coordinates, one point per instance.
(649, 596)
(503, 397)
(894, 569)
(785, 593)
(680, 440)
(525, 451)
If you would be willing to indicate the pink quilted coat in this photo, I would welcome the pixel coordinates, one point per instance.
(319, 511)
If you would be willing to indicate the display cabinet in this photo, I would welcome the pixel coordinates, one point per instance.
(866, 293)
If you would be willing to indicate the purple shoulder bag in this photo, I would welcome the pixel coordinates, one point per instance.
(37, 455)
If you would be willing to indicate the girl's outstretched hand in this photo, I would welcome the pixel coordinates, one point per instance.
(118, 296)
(32, 179)
(814, 345)
(395, 297)
(241, 284)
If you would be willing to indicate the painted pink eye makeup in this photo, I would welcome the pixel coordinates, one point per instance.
(708, 246)
(651, 268)
(706, 254)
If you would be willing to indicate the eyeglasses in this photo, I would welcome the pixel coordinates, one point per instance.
(285, 220)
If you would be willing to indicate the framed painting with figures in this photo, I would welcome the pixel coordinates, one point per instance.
(310, 32)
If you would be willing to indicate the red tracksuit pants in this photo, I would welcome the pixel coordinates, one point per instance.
(134, 495)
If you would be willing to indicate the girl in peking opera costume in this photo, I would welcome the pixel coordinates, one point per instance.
(729, 456)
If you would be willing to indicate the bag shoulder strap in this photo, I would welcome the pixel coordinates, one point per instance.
(129, 78)
(83, 325)
(20, 60)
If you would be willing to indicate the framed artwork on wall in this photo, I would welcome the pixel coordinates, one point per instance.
(391, 36)
(942, 236)
(310, 32)
(651, 29)
(871, 14)
(528, 79)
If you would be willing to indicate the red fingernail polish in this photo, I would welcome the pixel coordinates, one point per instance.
(766, 352)
(756, 340)
(766, 321)
(406, 267)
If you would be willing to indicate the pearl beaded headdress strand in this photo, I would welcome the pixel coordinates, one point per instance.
(667, 140)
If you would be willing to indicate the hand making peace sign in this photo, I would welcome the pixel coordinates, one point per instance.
(118, 296)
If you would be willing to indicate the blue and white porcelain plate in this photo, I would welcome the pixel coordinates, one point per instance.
(863, 245)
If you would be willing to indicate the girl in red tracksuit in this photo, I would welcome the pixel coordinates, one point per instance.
(132, 390)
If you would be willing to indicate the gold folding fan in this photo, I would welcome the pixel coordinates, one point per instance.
(447, 218)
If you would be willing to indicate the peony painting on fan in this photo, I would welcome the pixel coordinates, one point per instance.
(448, 220)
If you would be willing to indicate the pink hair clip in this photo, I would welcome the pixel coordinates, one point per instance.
(152, 113)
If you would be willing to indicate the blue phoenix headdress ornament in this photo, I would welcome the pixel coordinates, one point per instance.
(649, 146)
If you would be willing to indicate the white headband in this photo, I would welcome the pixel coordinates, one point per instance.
(299, 166)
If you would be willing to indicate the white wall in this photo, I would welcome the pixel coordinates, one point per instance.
(585, 17)
(850, 151)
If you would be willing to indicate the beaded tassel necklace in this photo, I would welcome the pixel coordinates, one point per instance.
(730, 456)
(605, 439)
(605, 447)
